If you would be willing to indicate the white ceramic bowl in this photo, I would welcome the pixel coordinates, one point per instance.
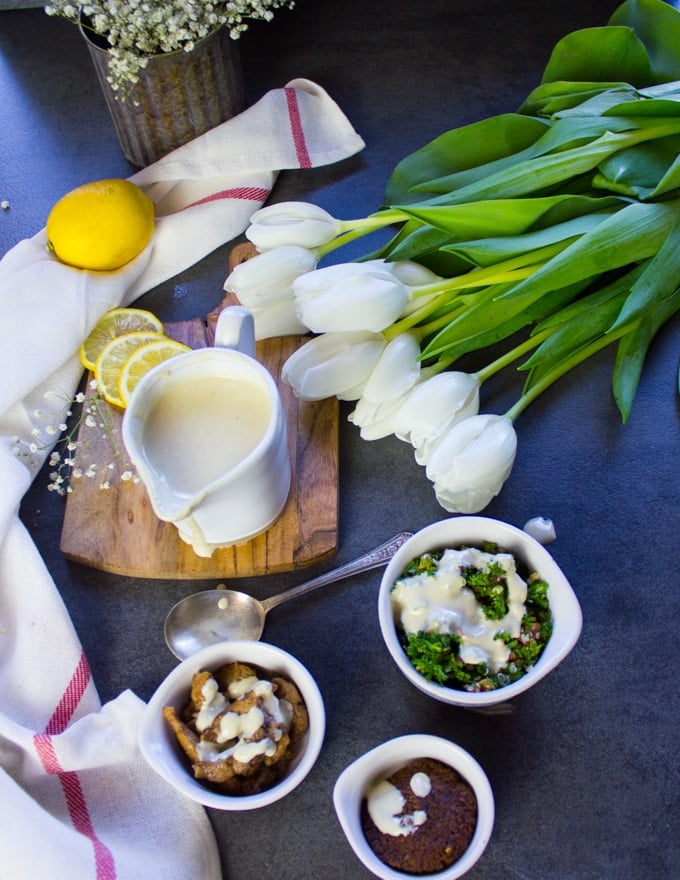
(161, 750)
(566, 611)
(383, 760)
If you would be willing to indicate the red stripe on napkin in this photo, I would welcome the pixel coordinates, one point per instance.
(70, 783)
(70, 699)
(296, 129)
(245, 193)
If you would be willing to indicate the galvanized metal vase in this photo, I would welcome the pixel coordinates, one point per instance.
(179, 96)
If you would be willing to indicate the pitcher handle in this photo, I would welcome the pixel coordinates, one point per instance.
(236, 329)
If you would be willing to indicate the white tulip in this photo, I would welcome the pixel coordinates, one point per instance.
(412, 274)
(394, 375)
(432, 407)
(268, 278)
(333, 365)
(277, 319)
(320, 280)
(472, 461)
(364, 300)
(397, 371)
(291, 223)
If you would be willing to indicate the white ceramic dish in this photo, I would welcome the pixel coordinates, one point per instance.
(207, 433)
(161, 750)
(383, 760)
(566, 611)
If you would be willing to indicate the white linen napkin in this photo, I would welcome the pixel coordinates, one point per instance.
(78, 799)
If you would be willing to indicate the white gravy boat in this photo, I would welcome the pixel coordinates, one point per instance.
(206, 432)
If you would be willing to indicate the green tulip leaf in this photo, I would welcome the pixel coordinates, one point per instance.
(551, 98)
(536, 175)
(657, 25)
(460, 149)
(423, 243)
(492, 217)
(495, 317)
(639, 170)
(565, 134)
(491, 250)
(654, 108)
(599, 54)
(628, 236)
(658, 280)
(632, 351)
(576, 311)
(574, 327)
(669, 182)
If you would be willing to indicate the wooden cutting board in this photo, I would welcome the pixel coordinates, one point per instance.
(116, 530)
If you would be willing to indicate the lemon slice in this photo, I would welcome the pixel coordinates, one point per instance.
(112, 358)
(144, 359)
(114, 323)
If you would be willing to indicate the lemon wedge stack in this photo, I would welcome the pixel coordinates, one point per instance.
(123, 346)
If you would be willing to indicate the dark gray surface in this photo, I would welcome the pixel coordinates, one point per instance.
(585, 770)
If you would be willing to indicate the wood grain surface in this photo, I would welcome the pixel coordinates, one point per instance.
(116, 529)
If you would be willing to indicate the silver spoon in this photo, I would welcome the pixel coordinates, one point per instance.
(218, 615)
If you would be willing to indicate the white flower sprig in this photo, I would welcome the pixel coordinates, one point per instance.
(136, 29)
(71, 458)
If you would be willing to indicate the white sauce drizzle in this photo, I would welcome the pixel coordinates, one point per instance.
(440, 602)
(236, 730)
(420, 785)
(385, 806)
(213, 703)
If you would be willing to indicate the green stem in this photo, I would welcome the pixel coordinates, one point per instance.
(562, 368)
(412, 320)
(519, 351)
(353, 229)
(450, 290)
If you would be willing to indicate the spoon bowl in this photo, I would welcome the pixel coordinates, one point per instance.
(220, 615)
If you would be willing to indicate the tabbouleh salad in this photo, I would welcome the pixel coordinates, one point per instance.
(472, 618)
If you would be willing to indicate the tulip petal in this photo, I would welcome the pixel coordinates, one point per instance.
(366, 301)
(411, 273)
(433, 406)
(332, 364)
(291, 223)
(328, 276)
(268, 277)
(277, 319)
(397, 370)
(472, 462)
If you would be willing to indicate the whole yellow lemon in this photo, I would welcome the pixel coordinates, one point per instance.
(100, 225)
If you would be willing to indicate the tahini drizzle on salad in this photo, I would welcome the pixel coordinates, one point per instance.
(471, 618)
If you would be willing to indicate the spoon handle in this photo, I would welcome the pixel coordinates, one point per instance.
(374, 559)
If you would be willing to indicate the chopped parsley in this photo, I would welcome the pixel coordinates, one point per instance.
(490, 587)
(436, 655)
(425, 564)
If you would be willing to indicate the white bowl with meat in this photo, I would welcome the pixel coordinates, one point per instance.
(237, 726)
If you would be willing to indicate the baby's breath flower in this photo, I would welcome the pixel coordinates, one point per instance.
(70, 457)
(135, 30)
